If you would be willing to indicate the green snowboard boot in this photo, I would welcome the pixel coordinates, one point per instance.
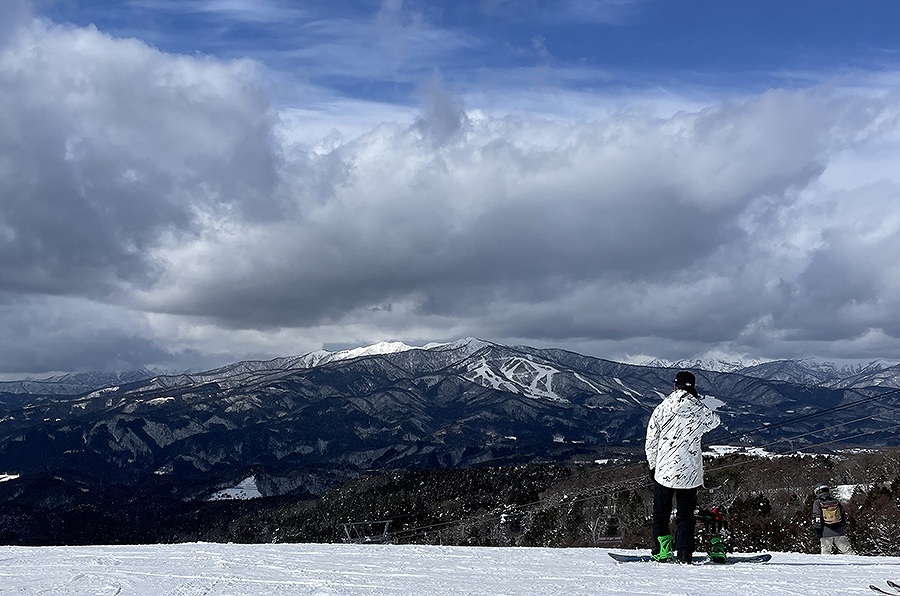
(665, 549)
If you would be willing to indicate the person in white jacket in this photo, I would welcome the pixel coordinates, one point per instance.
(676, 465)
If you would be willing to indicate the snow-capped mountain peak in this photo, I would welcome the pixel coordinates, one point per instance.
(383, 347)
(321, 357)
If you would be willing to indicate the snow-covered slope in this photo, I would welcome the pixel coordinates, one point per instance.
(247, 370)
(347, 570)
(246, 489)
(385, 347)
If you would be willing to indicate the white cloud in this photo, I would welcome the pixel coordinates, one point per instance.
(107, 143)
(164, 194)
(597, 11)
(506, 225)
(255, 11)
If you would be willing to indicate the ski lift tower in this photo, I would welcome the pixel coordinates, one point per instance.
(368, 532)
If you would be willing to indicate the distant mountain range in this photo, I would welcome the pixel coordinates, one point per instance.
(804, 371)
(74, 383)
(301, 424)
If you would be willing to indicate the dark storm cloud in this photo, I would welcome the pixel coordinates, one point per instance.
(43, 334)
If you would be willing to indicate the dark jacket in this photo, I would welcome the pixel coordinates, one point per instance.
(826, 530)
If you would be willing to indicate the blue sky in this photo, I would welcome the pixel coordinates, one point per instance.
(383, 50)
(189, 183)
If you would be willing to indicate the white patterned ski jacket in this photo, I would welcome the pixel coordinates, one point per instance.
(673, 439)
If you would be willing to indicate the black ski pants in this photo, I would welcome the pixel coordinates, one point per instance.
(685, 503)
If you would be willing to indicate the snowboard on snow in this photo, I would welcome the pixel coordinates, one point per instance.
(894, 585)
(701, 559)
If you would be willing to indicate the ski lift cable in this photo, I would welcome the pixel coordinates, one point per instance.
(822, 412)
(639, 482)
(819, 430)
(608, 488)
(805, 416)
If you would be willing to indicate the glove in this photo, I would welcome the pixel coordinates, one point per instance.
(652, 474)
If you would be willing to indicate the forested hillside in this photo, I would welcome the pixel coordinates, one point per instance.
(767, 499)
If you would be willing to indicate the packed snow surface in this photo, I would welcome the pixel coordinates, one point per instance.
(338, 569)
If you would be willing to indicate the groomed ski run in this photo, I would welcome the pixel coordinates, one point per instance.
(193, 569)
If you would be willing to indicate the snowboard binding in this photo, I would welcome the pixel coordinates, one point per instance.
(665, 550)
(715, 532)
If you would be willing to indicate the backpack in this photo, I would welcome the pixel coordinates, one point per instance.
(831, 512)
